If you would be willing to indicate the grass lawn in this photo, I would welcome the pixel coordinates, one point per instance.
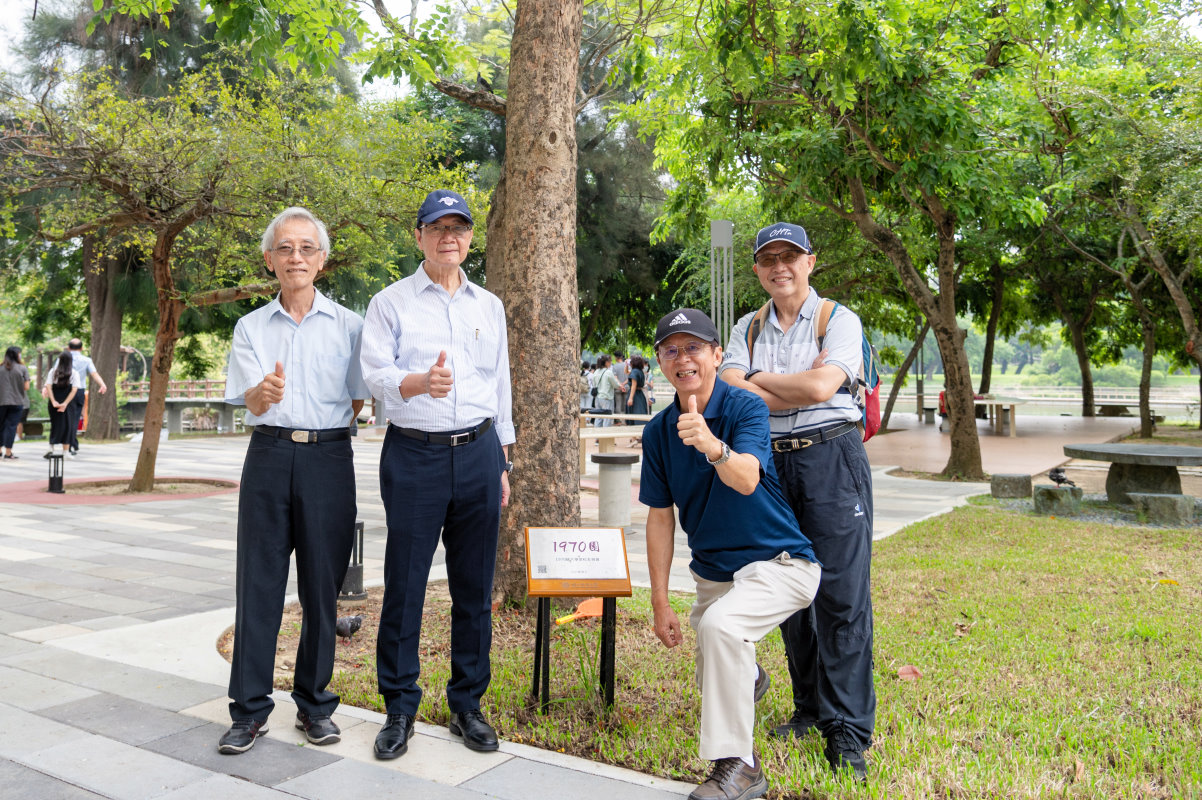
(1058, 659)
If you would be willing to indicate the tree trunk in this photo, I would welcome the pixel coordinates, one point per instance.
(1173, 282)
(1077, 333)
(964, 462)
(100, 275)
(494, 256)
(170, 310)
(995, 316)
(900, 376)
(538, 245)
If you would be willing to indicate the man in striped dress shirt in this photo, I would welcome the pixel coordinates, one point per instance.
(435, 350)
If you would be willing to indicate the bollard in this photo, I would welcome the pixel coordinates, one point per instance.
(352, 583)
(613, 485)
(56, 473)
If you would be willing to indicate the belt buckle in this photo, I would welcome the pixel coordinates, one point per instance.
(301, 436)
(461, 438)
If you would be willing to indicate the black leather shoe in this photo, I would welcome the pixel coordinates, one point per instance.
(241, 736)
(318, 729)
(477, 734)
(762, 682)
(393, 739)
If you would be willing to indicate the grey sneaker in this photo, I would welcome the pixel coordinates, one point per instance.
(732, 780)
(241, 736)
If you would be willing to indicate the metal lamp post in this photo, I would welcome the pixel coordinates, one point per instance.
(56, 473)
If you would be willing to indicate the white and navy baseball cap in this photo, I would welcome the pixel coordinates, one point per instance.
(440, 203)
(783, 232)
(686, 320)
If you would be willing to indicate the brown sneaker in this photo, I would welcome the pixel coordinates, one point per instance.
(732, 780)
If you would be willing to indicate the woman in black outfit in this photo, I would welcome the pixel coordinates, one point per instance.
(61, 385)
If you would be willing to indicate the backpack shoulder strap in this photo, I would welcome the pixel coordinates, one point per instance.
(823, 317)
(755, 326)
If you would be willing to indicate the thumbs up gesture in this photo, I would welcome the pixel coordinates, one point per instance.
(271, 388)
(693, 431)
(439, 380)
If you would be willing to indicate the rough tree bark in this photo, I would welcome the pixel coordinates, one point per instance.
(100, 275)
(538, 246)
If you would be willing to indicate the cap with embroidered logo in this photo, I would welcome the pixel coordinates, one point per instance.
(783, 232)
(686, 320)
(440, 203)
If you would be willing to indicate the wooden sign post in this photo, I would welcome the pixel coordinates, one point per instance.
(575, 562)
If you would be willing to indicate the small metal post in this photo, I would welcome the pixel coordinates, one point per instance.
(56, 473)
(541, 688)
(609, 619)
(352, 583)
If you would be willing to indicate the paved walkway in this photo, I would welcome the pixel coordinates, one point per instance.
(109, 615)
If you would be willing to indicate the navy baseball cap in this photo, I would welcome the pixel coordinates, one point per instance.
(783, 232)
(686, 320)
(440, 203)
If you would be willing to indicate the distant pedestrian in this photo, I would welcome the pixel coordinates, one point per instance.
(62, 384)
(607, 390)
(83, 367)
(636, 396)
(14, 392)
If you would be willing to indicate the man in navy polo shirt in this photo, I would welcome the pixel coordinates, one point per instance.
(708, 455)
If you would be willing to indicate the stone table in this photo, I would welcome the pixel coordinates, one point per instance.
(1139, 467)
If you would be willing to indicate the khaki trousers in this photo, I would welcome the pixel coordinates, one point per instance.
(729, 617)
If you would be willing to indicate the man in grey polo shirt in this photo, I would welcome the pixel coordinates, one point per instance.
(819, 455)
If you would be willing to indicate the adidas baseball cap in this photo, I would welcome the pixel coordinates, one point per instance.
(686, 320)
(440, 203)
(783, 232)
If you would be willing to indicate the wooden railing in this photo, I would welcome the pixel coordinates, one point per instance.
(191, 390)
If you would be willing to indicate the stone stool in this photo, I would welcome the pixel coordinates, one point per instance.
(1165, 509)
(613, 487)
(1012, 485)
(1058, 500)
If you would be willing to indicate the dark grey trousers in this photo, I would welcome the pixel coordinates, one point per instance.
(829, 644)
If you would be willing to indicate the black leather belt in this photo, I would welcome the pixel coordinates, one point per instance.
(303, 436)
(787, 444)
(452, 438)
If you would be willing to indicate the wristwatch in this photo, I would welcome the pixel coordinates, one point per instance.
(722, 459)
(747, 377)
(509, 466)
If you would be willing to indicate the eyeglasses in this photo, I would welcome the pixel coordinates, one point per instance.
(286, 250)
(788, 258)
(458, 231)
(672, 352)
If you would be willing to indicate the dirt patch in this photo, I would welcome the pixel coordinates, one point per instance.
(169, 486)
